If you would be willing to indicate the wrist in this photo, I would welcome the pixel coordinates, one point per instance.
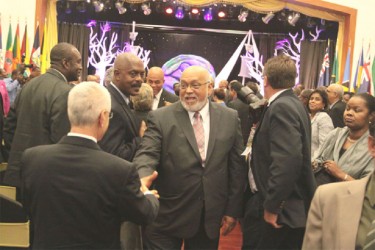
(345, 177)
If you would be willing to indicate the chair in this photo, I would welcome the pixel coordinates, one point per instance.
(14, 225)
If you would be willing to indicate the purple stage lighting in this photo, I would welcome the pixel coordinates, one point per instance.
(180, 13)
(208, 15)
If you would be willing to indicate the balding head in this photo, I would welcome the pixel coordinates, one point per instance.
(66, 59)
(155, 78)
(335, 92)
(128, 73)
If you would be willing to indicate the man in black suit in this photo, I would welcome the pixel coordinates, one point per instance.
(200, 186)
(39, 114)
(76, 194)
(155, 77)
(337, 107)
(242, 108)
(280, 163)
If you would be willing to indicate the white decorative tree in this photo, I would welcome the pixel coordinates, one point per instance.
(101, 57)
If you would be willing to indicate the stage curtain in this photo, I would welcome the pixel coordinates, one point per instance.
(78, 35)
(312, 54)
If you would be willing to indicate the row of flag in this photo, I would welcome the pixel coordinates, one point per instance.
(363, 81)
(18, 52)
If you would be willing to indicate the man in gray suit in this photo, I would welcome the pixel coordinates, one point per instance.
(201, 175)
(39, 115)
(76, 194)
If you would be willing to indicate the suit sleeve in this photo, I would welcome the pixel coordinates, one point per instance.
(114, 141)
(286, 144)
(59, 121)
(148, 156)
(237, 175)
(133, 204)
(313, 238)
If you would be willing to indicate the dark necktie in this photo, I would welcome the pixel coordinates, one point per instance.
(199, 134)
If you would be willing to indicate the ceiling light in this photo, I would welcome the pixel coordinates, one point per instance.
(120, 7)
(268, 17)
(169, 10)
(68, 10)
(208, 15)
(146, 9)
(243, 15)
(294, 18)
(180, 14)
(221, 13)
(98, 6)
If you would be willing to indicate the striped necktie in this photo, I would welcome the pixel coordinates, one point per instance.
(199, 134)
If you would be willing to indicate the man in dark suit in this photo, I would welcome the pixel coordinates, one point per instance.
(124, 135)
(39, 114)
(337, 107)
(242, 108)
(280, 163)
(201, 177)
(76, 194)
(155, 77)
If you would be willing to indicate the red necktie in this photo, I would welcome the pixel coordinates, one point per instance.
(199, 134)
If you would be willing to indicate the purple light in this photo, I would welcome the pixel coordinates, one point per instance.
(208, 15)
(91, 23)
(180, 13)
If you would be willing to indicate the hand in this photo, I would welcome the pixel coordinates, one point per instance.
(332, 168)
(142, 129)
(167, 103)
(147, 180)
(271, 219)
(227, 225)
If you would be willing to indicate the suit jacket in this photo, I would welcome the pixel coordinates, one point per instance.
(185, 187)
(334, 215)
(39, 118)
(337, 114)
(281, 161)
(77, 195)
(245, 116)
(167, 97)
(122, 137)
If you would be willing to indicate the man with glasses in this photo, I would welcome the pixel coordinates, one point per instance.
(195, 146)
(76, 194)
(124, 132)
(337, 107)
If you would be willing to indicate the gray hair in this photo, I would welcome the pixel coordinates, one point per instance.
(108, 76)
(85, 103)
(145, 99)
(338, 89)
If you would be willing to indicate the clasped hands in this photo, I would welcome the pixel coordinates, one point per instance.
(146, 183)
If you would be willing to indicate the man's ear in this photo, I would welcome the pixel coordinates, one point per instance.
(102, 118)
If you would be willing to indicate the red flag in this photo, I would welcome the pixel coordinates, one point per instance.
(8, 53)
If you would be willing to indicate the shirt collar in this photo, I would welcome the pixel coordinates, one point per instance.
(205, 112)
(122, 94)
(83, 136)
(157, 96)
(61, 74)
(274, 96)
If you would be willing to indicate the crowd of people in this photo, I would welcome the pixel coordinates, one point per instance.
(129, 165)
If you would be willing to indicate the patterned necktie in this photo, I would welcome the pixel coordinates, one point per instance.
(370, 238)
(199, 134)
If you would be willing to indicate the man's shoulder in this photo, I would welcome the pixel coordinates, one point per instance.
(172, 97)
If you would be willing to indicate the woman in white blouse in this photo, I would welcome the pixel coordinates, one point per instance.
(321, 122)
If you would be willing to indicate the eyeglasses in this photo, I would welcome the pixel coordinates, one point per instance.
(193, 85)
(110, 114)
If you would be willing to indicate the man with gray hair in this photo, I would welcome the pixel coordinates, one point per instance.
(337, 107)
(76, 194)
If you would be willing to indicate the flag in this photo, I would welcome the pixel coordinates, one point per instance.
(324, 72)
(335, 70)
(346, 79)
(25, 50)
(43, 50)
(35, 52)
(51, 40)
(16, 48)
(1, 47)
(8, 53)
(358, 72)
(365, 86)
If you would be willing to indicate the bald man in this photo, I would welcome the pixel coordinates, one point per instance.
(200, 180)
(337, 107)
(155, 78)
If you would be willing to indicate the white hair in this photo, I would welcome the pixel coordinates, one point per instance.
(85, 103)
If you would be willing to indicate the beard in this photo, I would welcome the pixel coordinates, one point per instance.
(198, 105)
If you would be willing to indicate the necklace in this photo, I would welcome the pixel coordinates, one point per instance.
(351, 140)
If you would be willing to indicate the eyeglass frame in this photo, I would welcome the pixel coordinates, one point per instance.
(193, 85)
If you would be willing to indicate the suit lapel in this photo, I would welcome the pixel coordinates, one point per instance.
(185, 124)
(214, 121)
(348, 219)
(125, 107)
(162, 99)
